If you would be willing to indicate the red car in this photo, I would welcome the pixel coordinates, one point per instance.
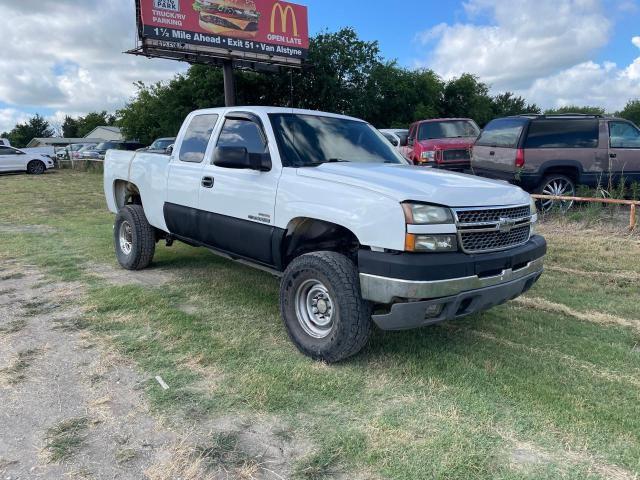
(442, 143)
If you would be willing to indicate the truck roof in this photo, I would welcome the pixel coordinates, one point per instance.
(268, 110)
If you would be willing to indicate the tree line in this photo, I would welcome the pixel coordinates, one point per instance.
(344, 74)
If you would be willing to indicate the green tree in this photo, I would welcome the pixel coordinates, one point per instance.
(466, 97)
(70, 127)
(632, 111)
(35, 127)
(84, 125)
(507, 104)
(587, 110)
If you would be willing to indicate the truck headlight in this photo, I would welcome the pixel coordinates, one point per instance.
(422, 214)
(534, 216)
(428, 156)
(431, 243)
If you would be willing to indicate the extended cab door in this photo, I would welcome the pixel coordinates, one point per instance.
(624, 150)
(238, 204)
(185, 175)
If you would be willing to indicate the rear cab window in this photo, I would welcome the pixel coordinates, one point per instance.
(563, 133)
(504, 132)
(196, 138)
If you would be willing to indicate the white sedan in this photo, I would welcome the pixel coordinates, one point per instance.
(14, 160)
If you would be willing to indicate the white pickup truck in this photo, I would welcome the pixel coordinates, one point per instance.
(357, 235)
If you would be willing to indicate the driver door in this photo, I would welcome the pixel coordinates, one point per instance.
(238, 205)
(11, 160)
(624, 150)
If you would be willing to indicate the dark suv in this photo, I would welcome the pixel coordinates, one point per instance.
(551, 154)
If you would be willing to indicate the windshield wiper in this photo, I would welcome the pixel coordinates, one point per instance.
(331, 160)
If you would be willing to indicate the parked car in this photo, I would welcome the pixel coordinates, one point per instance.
(16, 160)
(551, 154)
(323, 201)
(86, 147)
(161, 145)
(397, 136)
(442, 143)
(70, 150)
(101, 149)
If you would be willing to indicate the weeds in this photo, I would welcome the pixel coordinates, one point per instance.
(66, 438)
(16, 372)
(14, 326)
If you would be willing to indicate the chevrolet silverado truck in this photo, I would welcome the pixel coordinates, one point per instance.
(356, 234)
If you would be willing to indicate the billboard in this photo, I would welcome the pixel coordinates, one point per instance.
(272, 31)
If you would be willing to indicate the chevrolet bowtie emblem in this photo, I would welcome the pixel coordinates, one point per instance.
(505, 225)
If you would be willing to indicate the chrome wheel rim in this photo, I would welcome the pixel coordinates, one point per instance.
(558, 187)
(315, 308)
(125, 237)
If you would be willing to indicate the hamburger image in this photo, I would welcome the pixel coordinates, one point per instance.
(234, 18)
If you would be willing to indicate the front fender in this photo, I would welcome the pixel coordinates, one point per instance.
(375, 219)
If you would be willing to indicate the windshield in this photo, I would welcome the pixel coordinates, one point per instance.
(448, 129)
(161, 144)
(308, 140)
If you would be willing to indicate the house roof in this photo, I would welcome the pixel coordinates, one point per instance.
(104, 127)
(61, 141)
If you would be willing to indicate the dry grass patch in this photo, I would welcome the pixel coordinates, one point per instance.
(16, 372)
(66, 438)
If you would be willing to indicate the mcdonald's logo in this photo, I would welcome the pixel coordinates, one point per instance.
(284, 18)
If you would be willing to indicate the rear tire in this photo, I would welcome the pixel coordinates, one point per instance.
(322, 308)
(134, 237)
(558, 185)
(36, 167)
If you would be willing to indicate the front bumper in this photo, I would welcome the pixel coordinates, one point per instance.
(423, 289)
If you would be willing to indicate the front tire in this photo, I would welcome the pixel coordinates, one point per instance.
(134, 238)
(36, 167)
(322, 308)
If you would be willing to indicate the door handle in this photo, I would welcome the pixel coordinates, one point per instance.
(207, 182)
(613, 155)
(492, 153)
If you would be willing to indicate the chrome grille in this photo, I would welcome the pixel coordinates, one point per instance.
(492, 215)
(488, 241)
(453, 155)
(492, 229)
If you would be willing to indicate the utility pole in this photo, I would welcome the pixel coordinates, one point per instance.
(229, 84)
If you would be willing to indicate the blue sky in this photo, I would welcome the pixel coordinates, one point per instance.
(65, 56)
(396, 31)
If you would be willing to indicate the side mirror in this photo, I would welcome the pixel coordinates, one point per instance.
(169, 150)
(410, 142)
(240, 159)
(395, 142)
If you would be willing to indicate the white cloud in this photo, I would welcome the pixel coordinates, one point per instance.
(68, 55)
(9, 117)
(543, 50)
(525, 39)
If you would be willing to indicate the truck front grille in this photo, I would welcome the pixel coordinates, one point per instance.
(492, 229)
(455, 155)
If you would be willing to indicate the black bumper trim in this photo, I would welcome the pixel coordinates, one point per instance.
(444, 266)
(404, 316)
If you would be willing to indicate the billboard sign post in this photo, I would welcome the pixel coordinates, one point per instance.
(251, 34)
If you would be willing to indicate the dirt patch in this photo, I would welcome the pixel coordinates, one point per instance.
(525, 455)
(70, 406)
(594, 317)
(119, 276)
(36, 229)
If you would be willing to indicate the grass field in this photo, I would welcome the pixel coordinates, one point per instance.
(545, 387)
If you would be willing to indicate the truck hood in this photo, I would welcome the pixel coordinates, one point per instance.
(447, 143)
(408, 182)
